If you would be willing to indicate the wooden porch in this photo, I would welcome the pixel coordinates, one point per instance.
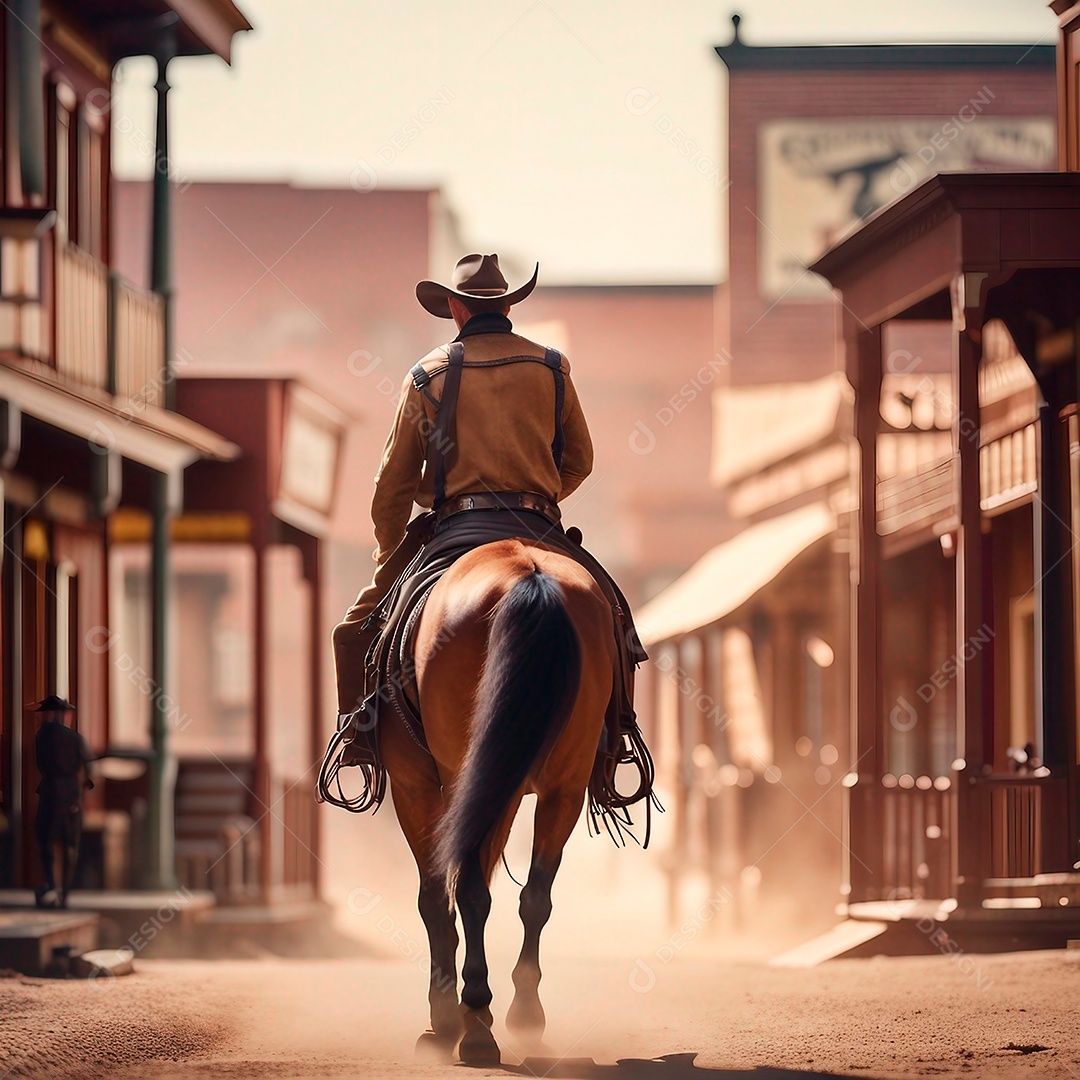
(965, 715)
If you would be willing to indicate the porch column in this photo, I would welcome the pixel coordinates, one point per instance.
(161, 224)
(161, 870)
(973, 741)
(264, 801)
(1053, 584)
(313, 553)
(865, 860)
(161, 836)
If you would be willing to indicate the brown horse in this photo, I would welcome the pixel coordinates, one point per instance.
(515, 660)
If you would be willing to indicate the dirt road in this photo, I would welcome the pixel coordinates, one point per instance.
(359, 1018)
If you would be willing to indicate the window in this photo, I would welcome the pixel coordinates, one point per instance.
(64, 179)
(90, 184)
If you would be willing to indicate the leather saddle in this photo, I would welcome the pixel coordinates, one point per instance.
(356, 743)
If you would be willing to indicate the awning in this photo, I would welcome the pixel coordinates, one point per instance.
(758, 426)
(732, 572)
(157, 438)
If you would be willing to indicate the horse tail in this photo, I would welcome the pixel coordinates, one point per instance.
(525, 697)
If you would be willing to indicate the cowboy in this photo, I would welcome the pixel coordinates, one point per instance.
(486, 424)
(508, 451)
(503, 440)
(62, 760)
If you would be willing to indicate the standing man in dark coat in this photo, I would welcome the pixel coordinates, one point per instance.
(62, 760)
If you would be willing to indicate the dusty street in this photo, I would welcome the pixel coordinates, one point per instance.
(616, 986)
(877, 1018)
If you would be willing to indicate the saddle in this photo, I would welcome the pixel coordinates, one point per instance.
(456, 527)
(357, 743)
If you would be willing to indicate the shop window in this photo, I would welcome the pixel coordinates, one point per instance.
(289, 636)
(64, 160)
(1023, 729)
(63, 628)
(128, 643)
(817, 655)
(89, 180)
(213, 628)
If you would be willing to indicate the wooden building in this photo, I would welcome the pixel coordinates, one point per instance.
(247, 564)
(962, 802)
(86, 430)
(820, 137)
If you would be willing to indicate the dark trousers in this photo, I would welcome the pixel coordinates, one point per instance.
(351, 640)
(58, 824)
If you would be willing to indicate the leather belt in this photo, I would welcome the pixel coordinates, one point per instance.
(500, 500)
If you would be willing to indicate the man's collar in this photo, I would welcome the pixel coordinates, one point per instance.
(487, 322)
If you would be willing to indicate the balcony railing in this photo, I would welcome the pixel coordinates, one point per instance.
(109, 335)
(82, 286)
(138, 343)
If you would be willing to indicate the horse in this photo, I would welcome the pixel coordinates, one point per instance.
(515, 657)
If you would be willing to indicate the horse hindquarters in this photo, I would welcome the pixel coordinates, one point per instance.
(525, 696)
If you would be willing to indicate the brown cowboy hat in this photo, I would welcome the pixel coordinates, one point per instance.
(476, 277)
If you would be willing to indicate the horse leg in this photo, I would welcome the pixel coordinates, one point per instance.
(418, 803)
(556, 816)
(478, 1046)
(441, 926)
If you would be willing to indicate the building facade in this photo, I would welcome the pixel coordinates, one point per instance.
(962, 807)
(88, 433)
(820, 139)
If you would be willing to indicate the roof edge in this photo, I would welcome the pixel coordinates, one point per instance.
(739, 56)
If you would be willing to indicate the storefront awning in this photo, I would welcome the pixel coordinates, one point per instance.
(732, 572)
(152, 436)
(758, 426)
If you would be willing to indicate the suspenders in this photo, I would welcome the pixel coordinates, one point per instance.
(441, 441)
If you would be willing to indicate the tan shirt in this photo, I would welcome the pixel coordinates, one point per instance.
(505, 424)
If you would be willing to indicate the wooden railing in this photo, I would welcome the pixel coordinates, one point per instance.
(1027, 816)
(82, 285)
(916, 832)
(298, 861)
(109, 335)
(138, 342)
(913, 502)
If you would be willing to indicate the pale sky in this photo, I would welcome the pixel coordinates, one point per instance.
(530, 114)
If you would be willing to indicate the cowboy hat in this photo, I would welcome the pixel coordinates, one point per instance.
(53, 703)
(476, 277)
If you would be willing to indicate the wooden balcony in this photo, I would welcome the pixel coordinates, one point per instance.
(109, 335)
(138, 343)
(82, 304)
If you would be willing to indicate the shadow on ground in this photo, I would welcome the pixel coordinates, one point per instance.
(665, 1067)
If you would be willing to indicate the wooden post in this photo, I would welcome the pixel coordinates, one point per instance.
(317, 646)
(161, 833)
(971, 827)
(1053, 583)
(161, 281)
(263, 793)
(863, 807)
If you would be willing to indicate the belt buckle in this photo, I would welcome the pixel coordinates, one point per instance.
(468, 504)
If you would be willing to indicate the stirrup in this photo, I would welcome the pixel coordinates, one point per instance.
(608, 806)
(355, 732)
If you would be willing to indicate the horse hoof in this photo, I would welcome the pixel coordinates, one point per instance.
(478, 1046)
(526, 1018)
(433, 1047)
